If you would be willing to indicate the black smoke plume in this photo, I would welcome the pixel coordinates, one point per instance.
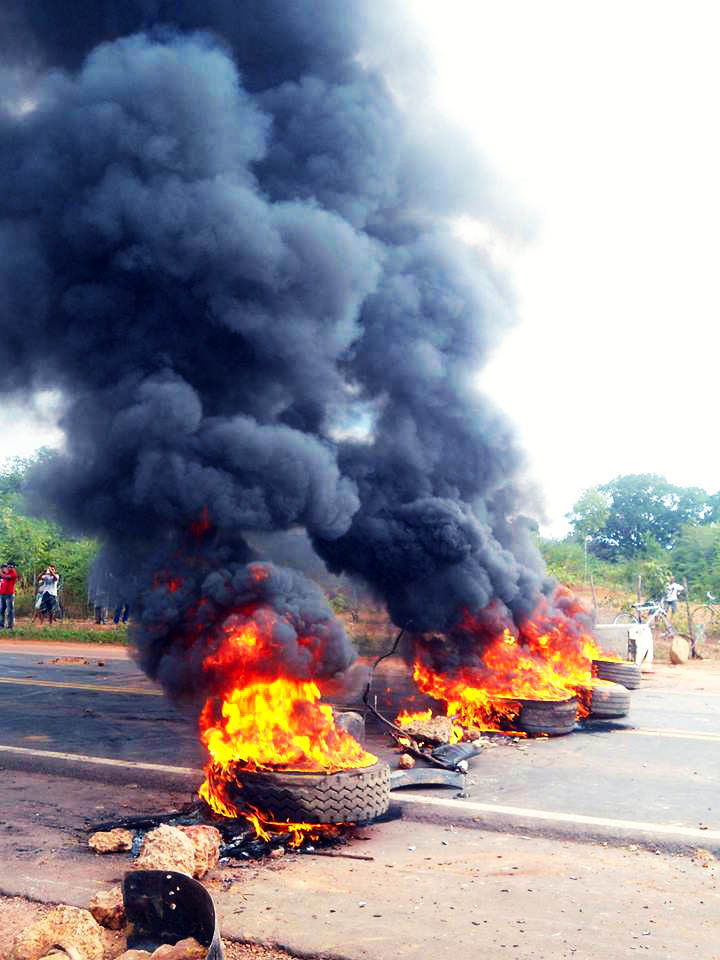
(226, 237)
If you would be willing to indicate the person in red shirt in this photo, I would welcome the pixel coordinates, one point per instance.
(8, 577)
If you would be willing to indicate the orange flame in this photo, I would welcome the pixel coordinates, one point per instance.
(548, 658)
(265, 828)
(405, 720)
(261, 722)
(279, 725)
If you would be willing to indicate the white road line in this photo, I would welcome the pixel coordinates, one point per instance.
(103, 761)
(461, 806)
(659, 692)
(554, 817)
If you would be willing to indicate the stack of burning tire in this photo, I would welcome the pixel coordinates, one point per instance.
(551, 717)
(608, 700)
(627, 674)
(603, 700)
(611, 686)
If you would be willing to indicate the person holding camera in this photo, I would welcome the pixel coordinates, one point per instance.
(672, 589)
(8, 579)
(47, 593)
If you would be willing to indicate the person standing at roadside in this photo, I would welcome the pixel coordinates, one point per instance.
(47, 591)
(7, 595)
(671, 593)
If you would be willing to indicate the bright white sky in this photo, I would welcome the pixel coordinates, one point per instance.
(602, 118)
(30, 425)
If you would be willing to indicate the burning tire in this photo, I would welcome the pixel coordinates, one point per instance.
(609, 700)
(628, 674)
(349, 796)
(553, 717)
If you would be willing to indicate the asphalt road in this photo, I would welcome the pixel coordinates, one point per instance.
(420, 889)
(660, 766)
(109, 711)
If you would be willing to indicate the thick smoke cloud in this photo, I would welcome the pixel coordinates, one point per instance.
(188, 616)
(226, 239)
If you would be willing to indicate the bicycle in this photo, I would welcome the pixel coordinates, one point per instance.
(657, 617)
(706, 615)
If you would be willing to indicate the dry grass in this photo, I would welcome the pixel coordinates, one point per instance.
(68, 631)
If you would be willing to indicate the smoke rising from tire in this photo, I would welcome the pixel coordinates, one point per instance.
(228, 241)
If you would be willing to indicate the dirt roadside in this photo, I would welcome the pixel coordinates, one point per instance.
(429, 888)
(17, 913)
(44, 853)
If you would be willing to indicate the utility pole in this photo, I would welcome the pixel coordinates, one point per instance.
(586, 558)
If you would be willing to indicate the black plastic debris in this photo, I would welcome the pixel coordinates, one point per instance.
(163, 906)
(427, 777)
(454, 753)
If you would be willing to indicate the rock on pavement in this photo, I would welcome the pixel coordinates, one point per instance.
(71, 928)
(206, 840)
(108, 909)
(167, 848)
(111, 841)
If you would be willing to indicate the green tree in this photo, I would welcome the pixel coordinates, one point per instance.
(645, 507)
(696, 556)
(34, 542)
(589, 514)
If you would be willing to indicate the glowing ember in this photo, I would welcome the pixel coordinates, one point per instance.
(265, 828)
(261, 721)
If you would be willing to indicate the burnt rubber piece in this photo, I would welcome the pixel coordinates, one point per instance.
(427, 777)
(608, 701)
(628, 674)
(163, 906)
(349, 796)
(453, 753)
(554, 717)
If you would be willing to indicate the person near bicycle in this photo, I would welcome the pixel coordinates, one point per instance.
(672, 590)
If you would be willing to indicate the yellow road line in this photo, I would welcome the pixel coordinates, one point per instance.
(678, 734)
(551, 816)
(701, 735)
(95, 687)
(103, 761)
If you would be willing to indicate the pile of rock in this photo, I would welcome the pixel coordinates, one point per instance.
(70, 933)
(192, 850)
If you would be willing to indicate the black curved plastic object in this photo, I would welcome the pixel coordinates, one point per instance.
(163, 906)
(453, 753)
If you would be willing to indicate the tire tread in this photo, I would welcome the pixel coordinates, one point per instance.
(609, 702)
(349, 796)
(548, 716)
(625, 673)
